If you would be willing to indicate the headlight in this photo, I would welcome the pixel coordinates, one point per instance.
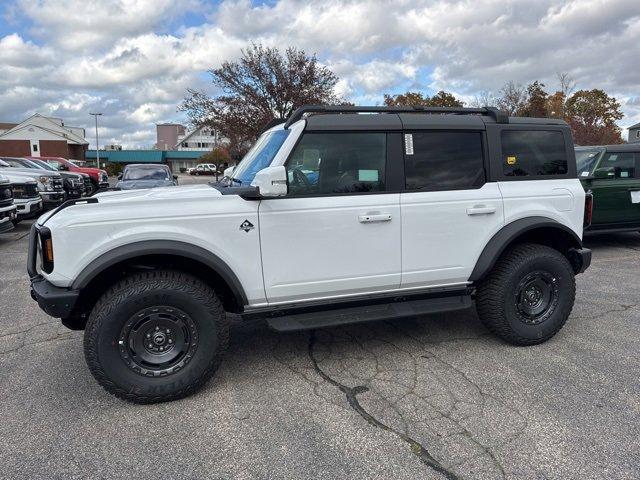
(46, 184)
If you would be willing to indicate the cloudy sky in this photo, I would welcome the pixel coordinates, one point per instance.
(134, 59)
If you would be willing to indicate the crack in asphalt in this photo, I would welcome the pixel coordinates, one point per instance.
(351, 394)
(23, 338)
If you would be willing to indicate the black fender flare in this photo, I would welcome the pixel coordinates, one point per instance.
(162, 247)
(507, 234)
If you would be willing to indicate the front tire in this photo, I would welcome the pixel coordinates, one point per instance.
(156, 336)
(528, 296)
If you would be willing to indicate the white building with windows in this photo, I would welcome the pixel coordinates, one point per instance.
(203, 138)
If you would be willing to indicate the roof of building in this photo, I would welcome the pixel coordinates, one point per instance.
(143, 156)
(637, 125)
(46, 124)
(189, 135)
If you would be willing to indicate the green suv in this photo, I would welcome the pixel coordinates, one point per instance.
(612, 174)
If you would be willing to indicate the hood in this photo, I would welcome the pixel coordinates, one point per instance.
(19, 177)
(156, 194)
(137, 184)
(89, 170)
(33, 172)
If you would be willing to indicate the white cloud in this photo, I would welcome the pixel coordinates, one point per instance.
(132, 60)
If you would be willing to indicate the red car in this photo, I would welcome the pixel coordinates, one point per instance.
(99, 178)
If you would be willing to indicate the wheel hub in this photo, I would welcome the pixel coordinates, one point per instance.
(158, 341)
(536, 297)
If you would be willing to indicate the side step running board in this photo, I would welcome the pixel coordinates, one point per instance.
(366, 313)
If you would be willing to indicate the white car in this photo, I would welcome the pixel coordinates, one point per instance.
(7, 208)
(329, 219)
(26, 196)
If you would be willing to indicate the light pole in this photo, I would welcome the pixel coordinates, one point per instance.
(95, 115)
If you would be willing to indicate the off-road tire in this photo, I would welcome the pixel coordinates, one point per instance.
(171, 289)
(496, 295)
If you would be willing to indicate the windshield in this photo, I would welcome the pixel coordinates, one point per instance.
(13, 163)
(586, 160)
(260, 156)
(43, 165)
(146, 173)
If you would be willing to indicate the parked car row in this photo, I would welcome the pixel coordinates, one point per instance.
(36, 184)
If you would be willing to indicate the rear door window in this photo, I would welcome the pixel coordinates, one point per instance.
(618, 165)
(533, 153)
(437, 160)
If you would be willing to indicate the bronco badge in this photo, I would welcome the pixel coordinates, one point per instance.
(246, 226)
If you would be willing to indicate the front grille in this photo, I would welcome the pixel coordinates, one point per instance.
(25, 190)
(57, 184)
(103, 178)
(87, 183)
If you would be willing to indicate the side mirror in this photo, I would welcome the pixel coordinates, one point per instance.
(229, 171)
(271, 181)
(63, 167)
(120, 177)
(604, 172)
(175, 177)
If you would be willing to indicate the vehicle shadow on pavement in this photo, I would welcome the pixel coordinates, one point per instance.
(626, 240)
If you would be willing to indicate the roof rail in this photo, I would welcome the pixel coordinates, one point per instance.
(498, 115)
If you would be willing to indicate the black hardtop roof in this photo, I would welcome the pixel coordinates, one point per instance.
(621, 147)
(398, 118)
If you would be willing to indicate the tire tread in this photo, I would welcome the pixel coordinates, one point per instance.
(490, 292)
(139, 283)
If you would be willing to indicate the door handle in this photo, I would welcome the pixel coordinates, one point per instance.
(480, 210)
(374, 217)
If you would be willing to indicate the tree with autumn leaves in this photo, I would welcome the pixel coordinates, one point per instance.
(266, 84)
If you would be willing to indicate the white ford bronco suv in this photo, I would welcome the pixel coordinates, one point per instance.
(338, 215)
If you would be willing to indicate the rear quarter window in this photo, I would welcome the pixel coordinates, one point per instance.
(533, 153)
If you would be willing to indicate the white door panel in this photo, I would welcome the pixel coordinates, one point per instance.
(443, 233)
(314, 247)
(561, 200)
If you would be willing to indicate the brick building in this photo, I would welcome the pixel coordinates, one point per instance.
(42, 136)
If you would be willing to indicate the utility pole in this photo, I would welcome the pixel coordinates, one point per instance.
(95, 115)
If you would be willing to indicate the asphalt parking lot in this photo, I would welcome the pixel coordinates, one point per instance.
(430, 397)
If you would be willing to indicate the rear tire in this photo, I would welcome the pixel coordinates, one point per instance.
(156, 336)
(528, 296)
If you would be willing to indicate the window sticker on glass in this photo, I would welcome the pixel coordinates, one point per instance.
(511, 160)
(613, 158)
(408, 144)
(585, 174)
(367, 175)
(635, 196)
(624, 174)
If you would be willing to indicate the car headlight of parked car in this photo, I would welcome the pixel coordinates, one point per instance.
(45, 184)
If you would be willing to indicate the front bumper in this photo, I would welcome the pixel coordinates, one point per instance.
(55, 301)
(28, 207)
(6, 224)
(52, 199)
(7, 215)
(580, 259)
(75, 192)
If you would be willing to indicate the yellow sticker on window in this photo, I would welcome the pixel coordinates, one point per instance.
(511, 160)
